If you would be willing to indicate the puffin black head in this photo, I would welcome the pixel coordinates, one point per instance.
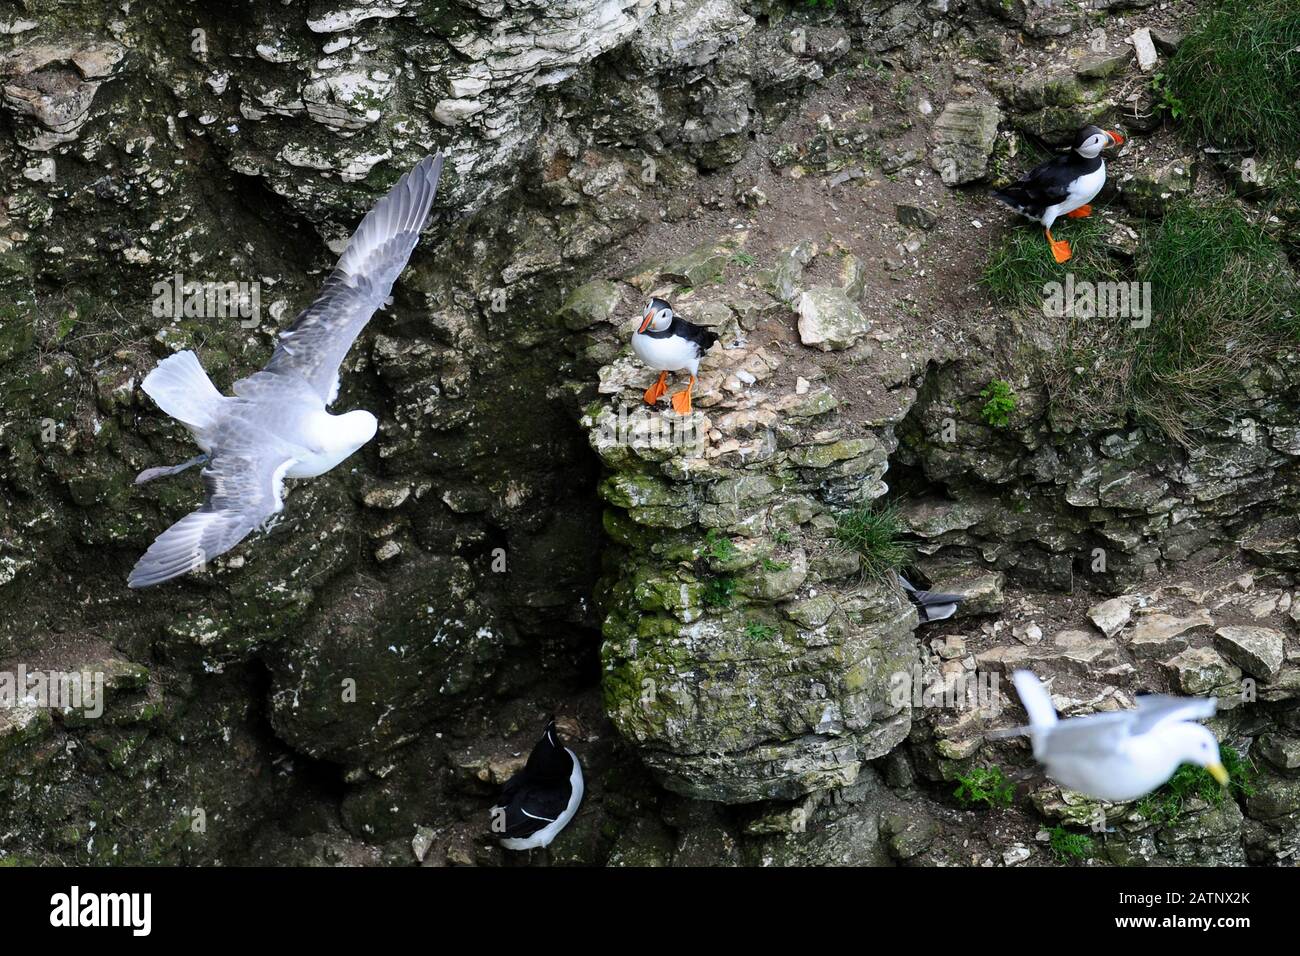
(1091, 140)
(658, 315)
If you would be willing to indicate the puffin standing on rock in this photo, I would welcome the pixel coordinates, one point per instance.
(669, 343)
(540, 800)
(1064, 185)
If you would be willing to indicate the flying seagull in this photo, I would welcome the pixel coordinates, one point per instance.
(1120, 755)
(276, 426)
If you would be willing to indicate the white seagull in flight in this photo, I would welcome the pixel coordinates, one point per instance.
(276, 426)
(1119, 755)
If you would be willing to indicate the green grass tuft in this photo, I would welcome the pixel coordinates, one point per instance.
(1222, 297)
(718, 547)
(1222, 292)
(875, 532)
(1236, 76)
(719, 591)
(1023, 264)
(986, 785)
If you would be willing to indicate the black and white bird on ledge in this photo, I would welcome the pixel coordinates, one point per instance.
(540, 800)
(669, 343)
(1064, 185)
(931, 605)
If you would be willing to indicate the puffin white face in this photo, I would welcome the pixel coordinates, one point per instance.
(1196, 745)
(1099, 140)
(358, 427)
(658, 316)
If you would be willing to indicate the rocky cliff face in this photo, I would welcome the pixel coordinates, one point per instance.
(523, 535)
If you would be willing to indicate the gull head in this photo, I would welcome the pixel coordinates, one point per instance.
(1196, 745)
(356, 428)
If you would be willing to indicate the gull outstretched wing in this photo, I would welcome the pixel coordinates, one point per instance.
(315, 345)
(243, 484)
(1156, 709)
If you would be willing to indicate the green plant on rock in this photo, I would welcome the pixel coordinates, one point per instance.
(1067, 846)
(999, 403)
(875, 532)
(984, 785)
(718, 546)
(1167, 101)
(1165, 806)
(758, 631)
(743, 259)
(718, 591)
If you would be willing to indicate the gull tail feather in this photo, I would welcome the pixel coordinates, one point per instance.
(183, 390)
(1036, 699)
(1038, 705)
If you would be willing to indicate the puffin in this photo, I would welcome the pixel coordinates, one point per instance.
(667, 342)
(931, 605)
(1064, 185)
(540, 800)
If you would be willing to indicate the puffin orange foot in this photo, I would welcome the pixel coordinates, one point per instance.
(1083, 212)
(682, 400)
(656, 391)
(1060, 248)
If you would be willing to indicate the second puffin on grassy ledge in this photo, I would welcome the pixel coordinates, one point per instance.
(669, 343)
(1064, 185)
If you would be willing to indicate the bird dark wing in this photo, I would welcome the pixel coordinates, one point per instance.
(530, 806)
(315, 345)
(243, 484)
(1050, 181)
(702, 337)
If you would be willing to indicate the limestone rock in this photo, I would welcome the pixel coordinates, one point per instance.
(829, 320)
(1110, 616)
(1201, 672)
(590, 304)
(961, 142)
(1159, 634)
(1259, 651)
(1281, 751)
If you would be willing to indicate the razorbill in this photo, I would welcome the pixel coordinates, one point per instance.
(540, 800)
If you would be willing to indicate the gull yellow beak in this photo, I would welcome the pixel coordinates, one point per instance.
(1218, 772)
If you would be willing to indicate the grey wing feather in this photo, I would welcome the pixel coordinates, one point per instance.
(1155, 709)
(242, 486)
(319, 339)
(1093, 733)
(278, 389)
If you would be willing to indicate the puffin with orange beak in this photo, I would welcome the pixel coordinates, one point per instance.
(1064, 185)
(666, 342)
